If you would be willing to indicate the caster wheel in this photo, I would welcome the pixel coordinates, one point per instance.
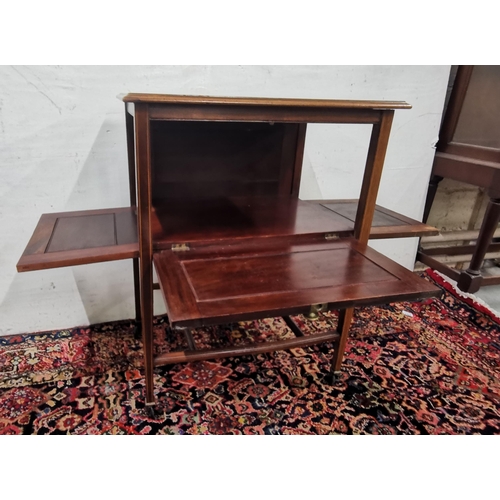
(150, 410)
(332, 378)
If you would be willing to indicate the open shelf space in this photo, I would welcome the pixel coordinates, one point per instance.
(234, 282)
(197, 221)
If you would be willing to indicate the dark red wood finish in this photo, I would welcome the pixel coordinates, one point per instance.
(233, 281)
(268, 102)
(217, 182)
(143, 162)
(371, 179)
(386, 223)
(345, 319)
(242, 217)
(244, 350)
(201, 222)
(82, 237)
(130, 136)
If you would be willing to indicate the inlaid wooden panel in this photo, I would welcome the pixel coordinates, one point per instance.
(279, 273)
(348, 210)
(386, 223)
(88, 231)
(223, 283)
(81, 237)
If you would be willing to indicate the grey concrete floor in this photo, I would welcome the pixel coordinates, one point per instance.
(490, 294)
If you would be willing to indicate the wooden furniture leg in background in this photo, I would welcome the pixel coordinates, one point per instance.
(471, 279)
(143, 156)
(137, 296)
(468, 151)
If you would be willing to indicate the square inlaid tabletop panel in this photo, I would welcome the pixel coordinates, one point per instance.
(222, 283)
(81, 237)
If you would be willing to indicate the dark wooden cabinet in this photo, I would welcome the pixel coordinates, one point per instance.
(214, 186)
(469, 151)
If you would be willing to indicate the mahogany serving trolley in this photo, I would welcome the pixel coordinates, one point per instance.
(214, 186)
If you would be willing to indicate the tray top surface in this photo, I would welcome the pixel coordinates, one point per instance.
(262, 101)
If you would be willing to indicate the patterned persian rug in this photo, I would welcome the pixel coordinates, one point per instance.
(430, 367)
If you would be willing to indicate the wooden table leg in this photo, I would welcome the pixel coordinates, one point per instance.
(344, 324)
(129, 128)
(431, 194)
(137, 296)
(470, 280)
(147, 328)
(143, 161)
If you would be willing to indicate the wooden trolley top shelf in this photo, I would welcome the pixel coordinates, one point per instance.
(250, 109)
(261, 101)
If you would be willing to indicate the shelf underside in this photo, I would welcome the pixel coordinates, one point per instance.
(84, 237)
(223, 283)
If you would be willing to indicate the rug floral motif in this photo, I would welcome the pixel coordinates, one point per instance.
(429, 367)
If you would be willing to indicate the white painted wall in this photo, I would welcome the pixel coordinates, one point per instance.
(62, 147)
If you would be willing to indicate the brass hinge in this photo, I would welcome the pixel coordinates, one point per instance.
(180, 247)
(331, 236)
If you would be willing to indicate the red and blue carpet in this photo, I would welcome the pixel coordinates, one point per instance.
(413, 368)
